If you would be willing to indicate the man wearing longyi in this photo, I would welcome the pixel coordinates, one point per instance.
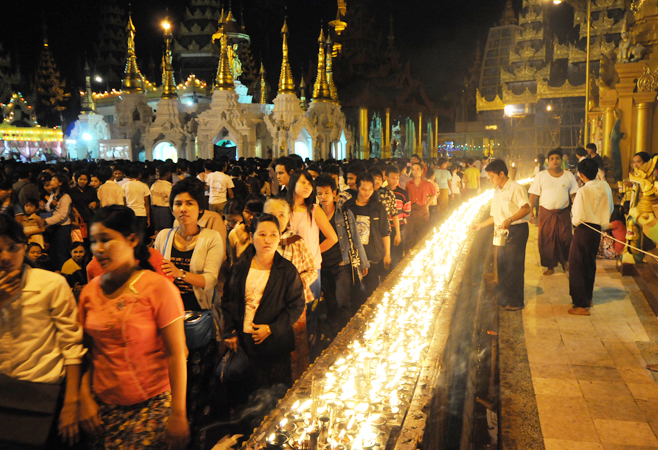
(510, 210)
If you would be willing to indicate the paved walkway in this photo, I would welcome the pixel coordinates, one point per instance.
(590, 383)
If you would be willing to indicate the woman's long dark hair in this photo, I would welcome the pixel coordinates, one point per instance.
(310, 200)
(64, 187)
(122, 219)
(11, 229)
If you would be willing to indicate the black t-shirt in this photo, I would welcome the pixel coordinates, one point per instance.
(240, 189)
(332, 257)
(598, 160)
(182, 261)
(372, 225)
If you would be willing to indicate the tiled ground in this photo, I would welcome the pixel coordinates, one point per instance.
(592, 389)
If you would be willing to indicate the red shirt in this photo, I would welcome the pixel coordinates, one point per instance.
(418, 194)
(128, 353)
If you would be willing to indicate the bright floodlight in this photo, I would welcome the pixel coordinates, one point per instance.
(508, 110)
(86, 136)
(557, 2)
(166, 25)
(98, 78)
(549, 107)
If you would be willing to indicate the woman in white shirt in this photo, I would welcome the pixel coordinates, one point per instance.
(193, 256)
(40, 340)
(59, 224)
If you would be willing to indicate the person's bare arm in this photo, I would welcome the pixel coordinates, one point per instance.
(230, 192)
(327, 230)
(178, 430)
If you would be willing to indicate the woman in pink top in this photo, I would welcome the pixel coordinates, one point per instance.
(307, 220)
(133, 318)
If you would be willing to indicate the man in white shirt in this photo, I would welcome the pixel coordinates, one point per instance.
(591, 210)
(554, 188)
(137, 196)
(510, 209)
(219, 186)
(109, 193)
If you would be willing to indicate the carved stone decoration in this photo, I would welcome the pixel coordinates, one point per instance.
(624, 49)
(638, 53)
(649, 81)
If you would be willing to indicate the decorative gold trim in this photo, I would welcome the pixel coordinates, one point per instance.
(529, 34)
(649, 81)
(483, 105)
(527, 53)
(531, 16)
(566, 90)
(510, 98)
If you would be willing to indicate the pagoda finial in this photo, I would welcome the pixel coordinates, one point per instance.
(321, 91)
(229, 15)
(88, 104)
(286, 84)
(330, 71)
(263, 88)
(168, 83)
(132, 79)
(509, 16)
(224, 79)
(302, 93)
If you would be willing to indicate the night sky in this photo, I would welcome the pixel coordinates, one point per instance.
(438, 35)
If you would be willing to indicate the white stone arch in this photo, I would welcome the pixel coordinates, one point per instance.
(226, 132)
(164, 150)
(304, 144)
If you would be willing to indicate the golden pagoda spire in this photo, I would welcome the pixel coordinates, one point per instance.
(330, 70)
(286, 84)
(132, 79)
(224, 80)
(168, 83)
(302, 93)
(263, 89)
(509, 16)
(321, 91)
(88, 103)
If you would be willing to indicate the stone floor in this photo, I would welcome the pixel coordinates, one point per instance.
(590, 383)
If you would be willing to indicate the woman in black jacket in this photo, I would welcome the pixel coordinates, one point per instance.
(263, 298)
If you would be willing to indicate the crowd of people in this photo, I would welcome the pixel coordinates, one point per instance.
(124, 285)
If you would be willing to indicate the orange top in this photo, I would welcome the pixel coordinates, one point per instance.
(128, 353)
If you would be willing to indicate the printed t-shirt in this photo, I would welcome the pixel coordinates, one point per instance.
(128, 353)
(182, 260)
(160, 192)
(218, 185)
(372, 225)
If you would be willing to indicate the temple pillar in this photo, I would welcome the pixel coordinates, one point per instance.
(628, 74)
(364, 139)
(419, 144)
(435, 144)
(386, 153)
(644, 121)
(608, 103)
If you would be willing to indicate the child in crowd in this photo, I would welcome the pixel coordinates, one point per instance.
(33, 226)
(34, 251)
(75, 263)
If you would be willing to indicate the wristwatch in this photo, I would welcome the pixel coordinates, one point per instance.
(181, 278)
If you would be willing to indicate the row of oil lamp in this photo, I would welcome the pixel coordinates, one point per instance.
(366, 391)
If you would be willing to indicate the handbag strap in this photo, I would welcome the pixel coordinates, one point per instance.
(171, 230)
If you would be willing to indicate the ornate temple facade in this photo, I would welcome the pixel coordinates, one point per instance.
(385, 106)
(229, 115)
(532, 86)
